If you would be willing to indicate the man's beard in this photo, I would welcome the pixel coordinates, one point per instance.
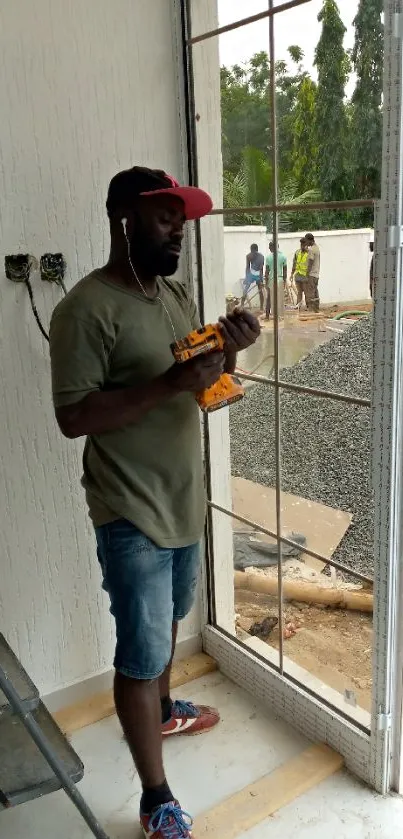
(154, 259)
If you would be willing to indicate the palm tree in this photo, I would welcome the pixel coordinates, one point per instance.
(252, 185)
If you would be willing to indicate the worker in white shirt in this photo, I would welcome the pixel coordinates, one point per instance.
(313, 272)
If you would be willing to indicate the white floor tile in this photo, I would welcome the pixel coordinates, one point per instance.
(202, 771)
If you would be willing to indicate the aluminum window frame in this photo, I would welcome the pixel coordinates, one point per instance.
(368, 754)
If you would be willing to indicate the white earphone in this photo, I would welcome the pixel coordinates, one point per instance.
(124, 225)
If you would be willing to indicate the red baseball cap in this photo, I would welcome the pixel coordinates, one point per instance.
(140, 181)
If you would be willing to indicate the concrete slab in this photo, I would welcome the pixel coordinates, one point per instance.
(322, 526)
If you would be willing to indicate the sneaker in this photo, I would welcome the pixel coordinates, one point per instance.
(168, 821)
(187, 718)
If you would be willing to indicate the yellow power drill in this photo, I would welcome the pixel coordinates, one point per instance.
(207, 339)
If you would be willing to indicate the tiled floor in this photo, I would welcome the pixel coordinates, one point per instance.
(202, 771)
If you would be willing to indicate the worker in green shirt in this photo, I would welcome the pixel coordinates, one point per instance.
(281, 281)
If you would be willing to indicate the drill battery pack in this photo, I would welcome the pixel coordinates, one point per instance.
(208, 339)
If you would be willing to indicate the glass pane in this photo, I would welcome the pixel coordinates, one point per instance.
(326, 508)
(329, 101)
(229, 11)
(254, 499)
(234, 115)
(326, 154)
(324, 334)
(326, 502)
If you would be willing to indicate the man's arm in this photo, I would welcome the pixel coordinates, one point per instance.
(103, 411)
(294, 265)
(311, 260)
(80, 353)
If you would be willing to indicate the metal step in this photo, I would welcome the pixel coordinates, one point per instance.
(24, 772)
(19, 678)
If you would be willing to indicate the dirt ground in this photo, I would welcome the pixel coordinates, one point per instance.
(333, 645)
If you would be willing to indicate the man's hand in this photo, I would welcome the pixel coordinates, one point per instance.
(240, 330)
(196, 374)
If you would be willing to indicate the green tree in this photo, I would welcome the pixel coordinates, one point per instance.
(243, 115)
(245, 109)
(331, 125)
(366, 121)
(305, 148)
(251, 185)
(288, 83)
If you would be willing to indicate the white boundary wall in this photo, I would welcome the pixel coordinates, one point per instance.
(345, 259)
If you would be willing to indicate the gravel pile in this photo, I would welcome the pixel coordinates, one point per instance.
(325, 444)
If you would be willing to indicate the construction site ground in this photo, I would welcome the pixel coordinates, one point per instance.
(299, 333)
(332, 644)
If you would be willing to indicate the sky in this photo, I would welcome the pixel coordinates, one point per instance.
(297, 26)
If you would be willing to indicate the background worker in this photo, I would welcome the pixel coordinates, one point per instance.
(281, 281)
(115, 382)
(299, 273)
(313, 271)
(254, 274)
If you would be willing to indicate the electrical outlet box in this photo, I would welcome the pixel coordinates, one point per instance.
(52, 267)
(18, 267)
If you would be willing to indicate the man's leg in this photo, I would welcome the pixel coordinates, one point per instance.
(138, 577)
(298, 285)
(309, 289)
(246, 286)
(268, 302)
(317, 298)
(139, 710)
(261, 296)
(280, 301)
(164, 681)
(184, 717)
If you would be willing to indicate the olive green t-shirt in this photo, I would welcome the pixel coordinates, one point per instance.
(103, 337)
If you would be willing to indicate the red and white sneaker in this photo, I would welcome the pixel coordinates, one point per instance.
(187, 718)
(168, 821)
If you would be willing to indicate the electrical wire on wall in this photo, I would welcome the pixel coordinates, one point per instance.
(18, 269)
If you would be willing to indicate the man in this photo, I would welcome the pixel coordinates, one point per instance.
(371, 271)
(313, 272)
(114, 381)
(254, 274)
(299, 273)
(281, 281)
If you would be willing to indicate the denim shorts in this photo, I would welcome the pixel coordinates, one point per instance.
(250, 280)
(149, 587)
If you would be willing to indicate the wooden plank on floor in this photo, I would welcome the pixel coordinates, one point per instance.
(258, 801)
(101, 705)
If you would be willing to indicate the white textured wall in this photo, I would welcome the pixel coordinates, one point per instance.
(85, 88)
(345, 259)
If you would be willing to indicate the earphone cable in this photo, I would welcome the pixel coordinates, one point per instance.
(142, 287)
